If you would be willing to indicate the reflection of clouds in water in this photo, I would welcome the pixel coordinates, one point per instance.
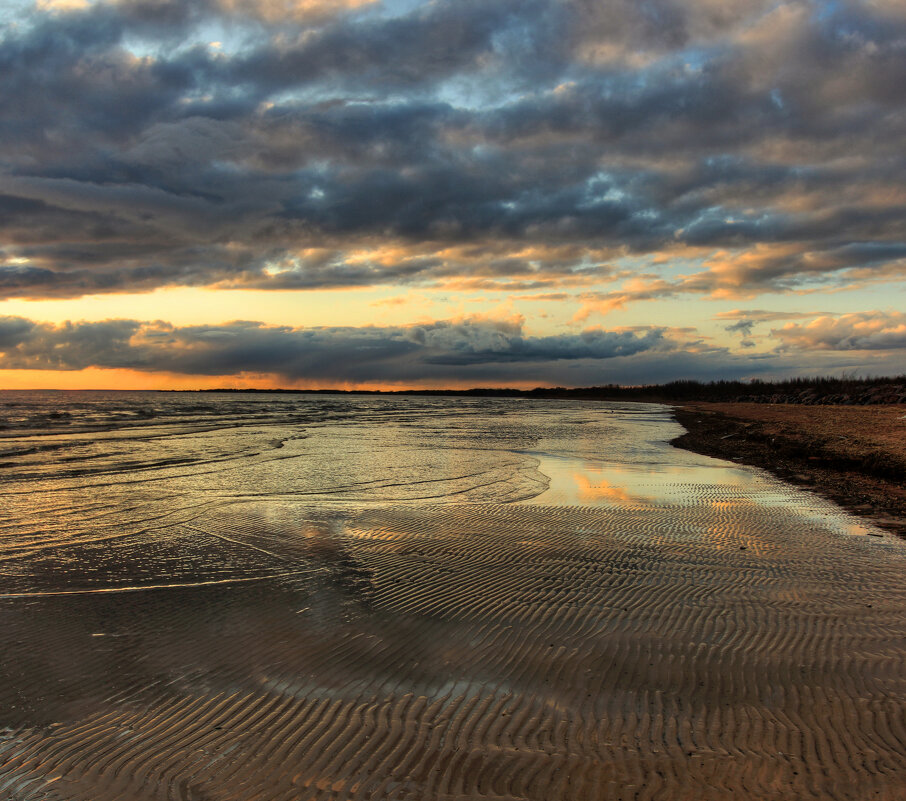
(604, 482)
(337, 571)
(590, 490)
(681, 478)
(316, 545)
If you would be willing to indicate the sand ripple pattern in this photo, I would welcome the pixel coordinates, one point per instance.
(708, 650)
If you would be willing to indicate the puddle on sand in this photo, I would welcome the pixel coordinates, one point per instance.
(702, 480)
(586, 482)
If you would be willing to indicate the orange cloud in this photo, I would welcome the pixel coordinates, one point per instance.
(867, 331)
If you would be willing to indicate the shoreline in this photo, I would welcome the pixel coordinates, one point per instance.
(362, 612)
(854, 456)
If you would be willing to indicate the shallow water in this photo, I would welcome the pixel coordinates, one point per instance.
(212, 596)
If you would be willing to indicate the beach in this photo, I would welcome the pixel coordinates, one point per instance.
(373, 598)
(853, 455)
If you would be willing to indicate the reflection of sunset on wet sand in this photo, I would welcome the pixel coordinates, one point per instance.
(356, 598)
(602, 491)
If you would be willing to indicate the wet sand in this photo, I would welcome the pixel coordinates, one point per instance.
(655, 626)
(853, 455)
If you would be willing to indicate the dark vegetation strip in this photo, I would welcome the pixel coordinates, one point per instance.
(820, 390)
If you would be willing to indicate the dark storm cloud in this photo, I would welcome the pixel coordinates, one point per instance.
(135, 155)
(429, 44)
(743, 327)
(474, 351)
(444, 349)
(25, 344)
(14, 331)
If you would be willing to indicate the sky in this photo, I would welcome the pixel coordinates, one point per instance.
(403, 194)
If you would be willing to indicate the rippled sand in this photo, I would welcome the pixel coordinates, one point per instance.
(524, 602)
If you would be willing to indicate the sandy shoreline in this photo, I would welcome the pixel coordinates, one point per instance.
(853, 455)
(479, 652)
(536, 602)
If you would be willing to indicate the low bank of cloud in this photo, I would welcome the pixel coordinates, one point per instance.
(476, 351)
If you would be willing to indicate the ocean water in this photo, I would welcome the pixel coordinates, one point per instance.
(336, 447)
(244, 596)
(86, 464)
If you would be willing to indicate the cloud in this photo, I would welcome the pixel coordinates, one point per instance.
(746, 320)
(864, 331)
(14, 331)
(476, 351)
(29, 345)
(743, 327)
(759, 269)
(763, 315)
(281, 10)
(765, 136)
(441, 349)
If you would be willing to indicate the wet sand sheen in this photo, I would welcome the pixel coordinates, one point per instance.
(631, 655)
(711, 643)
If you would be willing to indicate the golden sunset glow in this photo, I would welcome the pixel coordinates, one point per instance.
(370, 193)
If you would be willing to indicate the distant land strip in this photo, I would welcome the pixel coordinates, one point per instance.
(887, 390)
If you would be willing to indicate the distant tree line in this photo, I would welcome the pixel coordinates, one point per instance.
(820, 389)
